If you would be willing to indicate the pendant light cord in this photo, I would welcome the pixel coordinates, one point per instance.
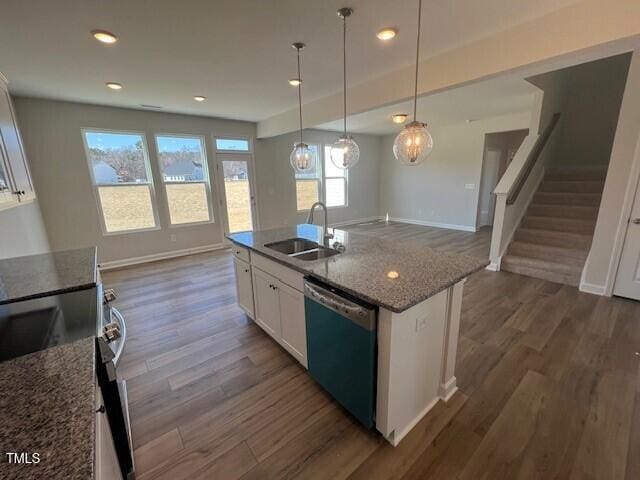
(299, 95)
(344, 71)
(415, 91)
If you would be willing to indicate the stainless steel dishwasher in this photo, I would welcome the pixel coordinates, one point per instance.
(341, 348)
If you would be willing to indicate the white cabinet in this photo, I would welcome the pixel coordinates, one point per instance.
(15, 178)
(6, 190)
(267, 302)
(106, 459)
(292, 322)
(277, 305)
(244, 286)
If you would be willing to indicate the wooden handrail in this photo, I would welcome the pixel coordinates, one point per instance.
(532, 159)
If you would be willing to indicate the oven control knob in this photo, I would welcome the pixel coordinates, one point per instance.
(112, 332)
(109, 295)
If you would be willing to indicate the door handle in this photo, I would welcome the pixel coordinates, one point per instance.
(636, 221)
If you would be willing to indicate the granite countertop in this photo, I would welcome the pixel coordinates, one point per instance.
(33, 276)
(367, 268)
(47, 406)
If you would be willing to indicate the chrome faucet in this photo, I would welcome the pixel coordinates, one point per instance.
(326, 234)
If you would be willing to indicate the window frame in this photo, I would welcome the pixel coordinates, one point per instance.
(319, 178)
(325, 178)
(207, 181)
(233, 137)
(150, 183)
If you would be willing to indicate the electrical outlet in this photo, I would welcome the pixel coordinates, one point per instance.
(421, 322)
(173, 237)
(470, 186)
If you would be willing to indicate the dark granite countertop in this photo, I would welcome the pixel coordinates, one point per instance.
(34, 276)
(367, 268)
(47, 406)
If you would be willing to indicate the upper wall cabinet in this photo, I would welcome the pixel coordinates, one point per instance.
(15, 179)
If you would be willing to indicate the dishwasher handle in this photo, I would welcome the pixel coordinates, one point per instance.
(358, 314)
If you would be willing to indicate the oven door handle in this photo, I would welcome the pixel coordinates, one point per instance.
(123, 334)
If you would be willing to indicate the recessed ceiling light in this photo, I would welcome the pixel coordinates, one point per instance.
(295, 82)
(399, 117)
(104, 36)
(199, 98)
(387, 33)
(114, 85)
(393, 274)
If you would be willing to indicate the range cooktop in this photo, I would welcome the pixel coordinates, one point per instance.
(32, 325)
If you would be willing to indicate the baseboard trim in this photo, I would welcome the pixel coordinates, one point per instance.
(425, 223)
(126, 262)
(355, 221)
(396, 437)
(494, 266)
(593, 289)
(447, 390)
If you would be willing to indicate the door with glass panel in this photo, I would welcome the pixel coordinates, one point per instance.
(235, 174)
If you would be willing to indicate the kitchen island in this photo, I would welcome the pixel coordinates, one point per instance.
(416, 292)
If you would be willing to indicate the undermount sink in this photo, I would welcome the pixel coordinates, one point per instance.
(302, 249)
(292, 246)
(315, 254)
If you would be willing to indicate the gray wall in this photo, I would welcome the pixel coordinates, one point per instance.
(276, 179)
(434, 193)
(588, 96)
(22, 231)
(53, 143)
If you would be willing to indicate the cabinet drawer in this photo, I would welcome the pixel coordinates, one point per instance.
(241, 252)
(285, 274)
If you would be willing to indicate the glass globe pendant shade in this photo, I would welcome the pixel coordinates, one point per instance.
(413, 144)
(345, 152)
(302, 158)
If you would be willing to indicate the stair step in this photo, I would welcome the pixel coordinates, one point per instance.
(570, 256)
(553, 238)
(563, 211)
(581, 186)
(541, 269)
(554, 198)
(569, 225)
(597, 174)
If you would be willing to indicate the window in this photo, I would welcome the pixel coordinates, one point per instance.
(232, 144)
(308, 184)
(183, 165)
(335, 182)
(119, 166)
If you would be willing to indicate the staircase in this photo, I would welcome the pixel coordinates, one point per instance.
(554, 237)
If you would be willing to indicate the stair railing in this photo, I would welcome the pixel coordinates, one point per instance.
(515, 190)
(532, 158)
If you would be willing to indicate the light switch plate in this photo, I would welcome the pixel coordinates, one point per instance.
(470, 186)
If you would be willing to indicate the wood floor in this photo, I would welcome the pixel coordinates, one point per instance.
(549, 384)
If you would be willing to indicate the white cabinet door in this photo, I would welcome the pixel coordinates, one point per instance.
(244, 286)
(6, 188)
(11, 143)
(292, 321)
(267, 308)
(106, 459)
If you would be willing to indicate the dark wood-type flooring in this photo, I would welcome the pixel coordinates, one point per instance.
(549, 383)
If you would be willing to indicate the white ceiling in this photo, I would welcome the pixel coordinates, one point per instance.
(235, 52)
(490, 98)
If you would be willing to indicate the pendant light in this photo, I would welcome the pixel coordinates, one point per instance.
(414, 143)
(302, 158)
(345, 152)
